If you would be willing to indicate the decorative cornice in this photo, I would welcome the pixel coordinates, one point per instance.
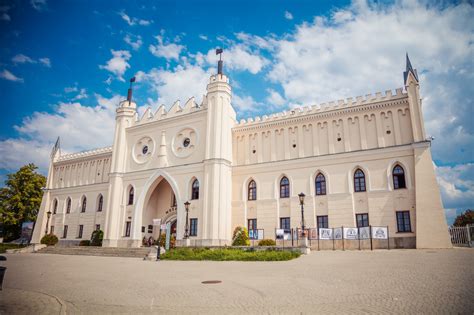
(84, 154)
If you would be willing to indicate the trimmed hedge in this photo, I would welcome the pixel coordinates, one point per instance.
(85, 243)
(96, 238)
(49, 240)
(240, 237)
(267, 242)
(228, 254)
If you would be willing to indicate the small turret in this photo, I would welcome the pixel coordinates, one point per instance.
(409, 69)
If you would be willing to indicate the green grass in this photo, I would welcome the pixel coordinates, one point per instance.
(5, 246)
(227, 254)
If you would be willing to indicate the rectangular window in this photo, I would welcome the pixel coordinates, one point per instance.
(323, 222)
(403, 221)
(65, 231)
(51, 231)
(128, 226)
(193, 228)
(143, 229)
(150, 229)
(285, 224)
(362, 219)
(252, 224)
(97, 227)
(79, 232)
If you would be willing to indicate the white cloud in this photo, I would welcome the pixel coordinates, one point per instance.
(71, 89)
(245, 104)
(134, 21)
(4, 16)
(45, 61)
(457, 185)
(118, 64)
(274, 98)
(80, 127)
(20, 58)
(361, 49)
(288, 15)
(7, 75)
(180, 83)
(203, 37)
(169, 51)
(134, 41)
(38, 5)
(82, 94)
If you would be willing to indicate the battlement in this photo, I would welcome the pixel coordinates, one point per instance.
(326, 107)
(83, 154)
(176, 110)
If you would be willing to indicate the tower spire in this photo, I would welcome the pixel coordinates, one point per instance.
(219, 63)
(129, 94)
(409, 69)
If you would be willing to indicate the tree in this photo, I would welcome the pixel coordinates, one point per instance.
(20, 199)
(240, 237)
(464, 218)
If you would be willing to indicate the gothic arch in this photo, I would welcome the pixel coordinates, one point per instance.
(313, 181)
(406, 170)
(366, 174)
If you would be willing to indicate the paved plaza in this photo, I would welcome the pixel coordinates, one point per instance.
(395, 281)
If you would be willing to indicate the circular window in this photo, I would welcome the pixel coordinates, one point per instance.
(145, 149)
(186, 142)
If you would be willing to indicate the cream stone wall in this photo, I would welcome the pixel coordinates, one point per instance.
(161, 153)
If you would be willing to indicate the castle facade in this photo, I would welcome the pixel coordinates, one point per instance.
(360, 161)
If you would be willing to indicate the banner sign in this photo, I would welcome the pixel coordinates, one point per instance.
(380, 232)
(256, 234)
(26, 231)
(337, 233)
(280, 233)
(156, 222)
(168, 235)
(364, 233)
(313, 234)
(350, 233)
(325, 234)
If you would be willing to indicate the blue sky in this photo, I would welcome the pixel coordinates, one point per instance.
(64, 65)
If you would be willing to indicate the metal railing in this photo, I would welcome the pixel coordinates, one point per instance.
(462, 236)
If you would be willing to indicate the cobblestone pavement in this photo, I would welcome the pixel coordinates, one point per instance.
(378, 282)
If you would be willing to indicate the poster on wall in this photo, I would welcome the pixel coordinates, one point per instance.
(364, 233)
(313, 234)
(26, 231)
(280, 234)
(260, 234)
(337, 233)
(325, 234)
(380, 232)
(350, 233)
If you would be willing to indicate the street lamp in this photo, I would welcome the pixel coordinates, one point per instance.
(186, 229)
(48, 214)
(301, 196)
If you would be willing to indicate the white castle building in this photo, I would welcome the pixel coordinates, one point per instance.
(360, 161)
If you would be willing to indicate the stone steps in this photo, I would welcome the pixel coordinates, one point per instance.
(96, 251)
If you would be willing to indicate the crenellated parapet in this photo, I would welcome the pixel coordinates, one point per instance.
(176, 110)
(325, 108)
(84, 154)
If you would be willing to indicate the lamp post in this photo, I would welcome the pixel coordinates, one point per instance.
(48, 214)
(301, 196)
(186, 228)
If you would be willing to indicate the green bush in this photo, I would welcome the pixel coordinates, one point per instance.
(96, 238)
(5, 246)
(49, 240)
(85, 243)
(240, 237)
(267, 242)
(227, 254)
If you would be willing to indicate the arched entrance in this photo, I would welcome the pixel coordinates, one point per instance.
(159, 199)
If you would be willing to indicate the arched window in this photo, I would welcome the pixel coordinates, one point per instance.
(320, 184)
(55, 206)
(284, 188)
(68, 205)
(359, 180)
(131, 195)
(100, 203)
(84, 204)
(398, 177)
(252, 190)
(195, 190)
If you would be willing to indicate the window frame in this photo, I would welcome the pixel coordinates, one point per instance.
(193, 226)
(195, 189)
(286, 227)
(252, 223)
(360, 184)
(364, 216)
(252, 190)
(405, 216)
(399, 179)
(65, 228)
(80, 231)
(322, 220)
(128, 228)
(68, 205)
(284, 187)
(100, 203)
(131, 196)
(55, 206)
(83, 204)
(322, 184)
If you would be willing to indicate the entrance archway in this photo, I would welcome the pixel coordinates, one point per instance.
(159, 198)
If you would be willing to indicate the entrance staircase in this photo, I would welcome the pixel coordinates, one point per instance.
(96, 251)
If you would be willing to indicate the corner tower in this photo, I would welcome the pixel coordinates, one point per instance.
(221, 117)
